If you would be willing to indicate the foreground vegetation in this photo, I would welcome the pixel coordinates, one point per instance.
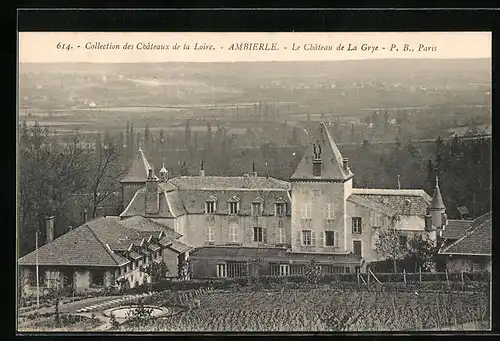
(324, 310)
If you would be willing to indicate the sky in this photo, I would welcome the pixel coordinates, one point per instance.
(47, 47)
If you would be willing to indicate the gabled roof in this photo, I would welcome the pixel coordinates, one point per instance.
(94, 243)
(476, 241)
(78, 247)
(409, 202)
(170, 203)
(332, 168)
(138, 171)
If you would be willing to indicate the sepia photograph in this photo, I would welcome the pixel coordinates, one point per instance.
(254, 182)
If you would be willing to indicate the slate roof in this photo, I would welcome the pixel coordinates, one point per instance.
(476, 241)
(189, 194)
(332, 168)
(78, 247)
(194, 200)
(456, 229)
(372, 204)
(242, 254)
(437, 199)
(228, 183)
(138, 171)
(93, 243)
(409, 202)
(169, 202)
(179, 246)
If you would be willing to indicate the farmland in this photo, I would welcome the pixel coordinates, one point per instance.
(326, 309)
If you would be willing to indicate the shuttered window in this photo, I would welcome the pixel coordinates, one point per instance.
(331, 238)
(210, 234)
(233, 232)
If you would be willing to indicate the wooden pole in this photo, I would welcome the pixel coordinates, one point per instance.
(462, 279)
(447, 279)
(37, 276)
(358, 279)
(404, 276)
(420, 273)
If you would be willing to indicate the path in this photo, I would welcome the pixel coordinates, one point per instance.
(72, 307)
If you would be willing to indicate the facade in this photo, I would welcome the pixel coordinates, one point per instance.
(102, 253)
(466, 244)
(317, 214)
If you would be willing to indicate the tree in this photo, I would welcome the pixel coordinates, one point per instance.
(157, 271)
(423, 252)
(146, 137)
(313, 272)
(48, 181)
(104, 171)
(184, 169)
(388, 245)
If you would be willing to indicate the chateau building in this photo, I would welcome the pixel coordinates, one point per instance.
(316, 214)
(230, 226)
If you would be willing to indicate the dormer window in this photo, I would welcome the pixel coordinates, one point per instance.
(211, 205)
(257, 207)
(234, 205)
(280, 208)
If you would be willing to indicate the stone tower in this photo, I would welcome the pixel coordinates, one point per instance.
(321, 184)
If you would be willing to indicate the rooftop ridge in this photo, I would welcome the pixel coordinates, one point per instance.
(108, 250)
(469, 232)
(389, 191)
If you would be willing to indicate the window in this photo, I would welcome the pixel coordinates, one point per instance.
(281, 235)
(347, 269)
(210, 207)
(233, 208)
(306, 211)
(256, 209)
(133, 265)
(98, 277)
(307, 237)
(140, 262)
(331, 238)
(284, 270)
(356, 246)
(280, 209)
(329, 212)
(259, 234)
(222, 270)
(210, 234)
(233, 232)
(402, 241)
(356, 225)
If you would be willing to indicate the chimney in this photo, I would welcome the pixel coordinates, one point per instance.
(428, 222)
(152, 194)
(317, 165)
(85, 216)
(202, 171)
(49, 228)
(254, 173)
(399, 183)
(345, 164)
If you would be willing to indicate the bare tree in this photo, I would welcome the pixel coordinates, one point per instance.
(49, 177)
(103, 175)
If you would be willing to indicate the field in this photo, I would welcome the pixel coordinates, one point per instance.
(328, 310)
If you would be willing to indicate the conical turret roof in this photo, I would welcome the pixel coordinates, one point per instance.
(138, 171)
(327, 151)
(437, 199)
